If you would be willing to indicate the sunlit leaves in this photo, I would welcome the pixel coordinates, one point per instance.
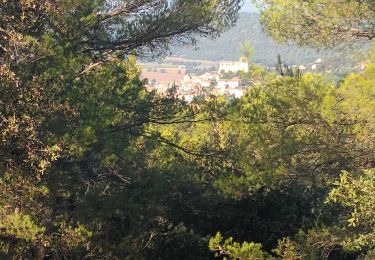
(234, 250)
(357, 193)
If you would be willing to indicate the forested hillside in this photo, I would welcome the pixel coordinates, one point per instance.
(266, 49)
(93, 165)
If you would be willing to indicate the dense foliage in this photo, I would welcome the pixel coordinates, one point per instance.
(95, 167)
(320, 22)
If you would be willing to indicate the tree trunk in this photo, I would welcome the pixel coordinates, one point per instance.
(40, 250)
(10, 252)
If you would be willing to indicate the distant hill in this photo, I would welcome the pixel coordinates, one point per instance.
(248, 27)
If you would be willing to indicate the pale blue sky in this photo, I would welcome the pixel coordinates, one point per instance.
(249, 7)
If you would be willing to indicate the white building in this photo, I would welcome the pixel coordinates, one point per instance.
(318, 61)
(231, 83)
(188, 98)
(361, 66)
(205, 83)
(236, 92)
(233, 66)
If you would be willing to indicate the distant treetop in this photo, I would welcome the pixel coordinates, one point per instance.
(319, 23)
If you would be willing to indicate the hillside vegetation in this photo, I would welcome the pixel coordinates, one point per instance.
(248, 28)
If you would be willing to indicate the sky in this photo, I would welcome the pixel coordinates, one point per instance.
(249, 7)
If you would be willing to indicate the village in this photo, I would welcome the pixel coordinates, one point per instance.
(191, 79)
(189, 86)
(211, 79)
